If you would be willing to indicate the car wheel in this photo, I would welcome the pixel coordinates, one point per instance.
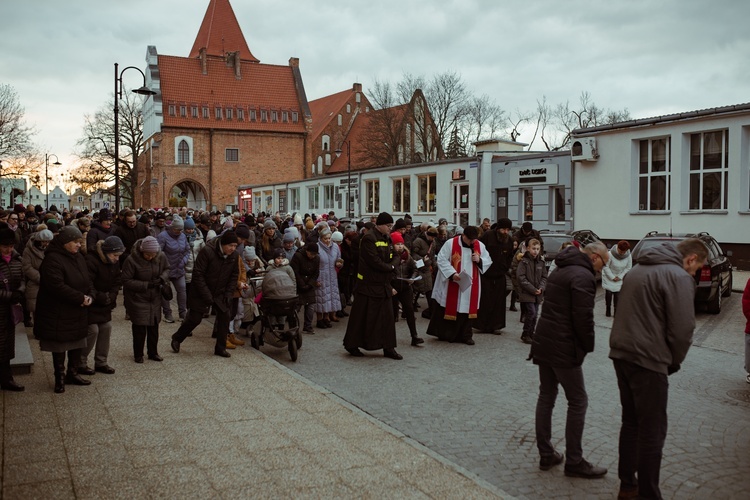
(729, 287)
(714, 305)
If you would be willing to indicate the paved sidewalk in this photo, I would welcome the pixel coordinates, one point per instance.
(199, 426)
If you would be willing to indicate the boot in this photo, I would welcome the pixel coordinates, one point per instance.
(609, 312)
(58, 362)
(415, 340)
(73, 378)
(234, 340)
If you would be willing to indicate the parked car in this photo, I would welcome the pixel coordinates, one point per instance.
(714, 280)
(553, 240)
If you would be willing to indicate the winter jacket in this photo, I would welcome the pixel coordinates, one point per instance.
(306, 273)
(501, 252)
(130, 236)
(327, 297)
(177, 250)
(267, 254)
(105, 279)
(64, 281)
(403, 268)
(532, 275)
(424, 251)
(214, 278)
(375, 269)
(11, 294)
(565, 331)
(618, 266)
(195, 247)
(142, 295)
(279, 282)
(655, 312)
(97, 233)
(31, 261)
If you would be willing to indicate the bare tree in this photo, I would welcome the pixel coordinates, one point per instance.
(447, 98)
(482, 120)
(383, 133)
(96, 155)
(15, 134)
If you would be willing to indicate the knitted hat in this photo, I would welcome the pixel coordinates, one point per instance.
(288, 236)
(242, 231)
(504, 223)
(297, 220)
(18, 208)
(249, 253)
(309, 224)
(68, 234)
(250, 220)
(229, 237)
(150, 245)
(43, 235)
(324, 232)
(527, 226)
(7, 237)
(189, 223)
(384, 218)
(311, 247)
(177, 223)
(397, 237)
(337, 236)
(400, 224)
(432, 231)
(160, 216)
(278, 252)
(104, 214)
(269, 224)
(112, 244)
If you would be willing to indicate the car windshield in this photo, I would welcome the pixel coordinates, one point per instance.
(552, 243)
(650, 243)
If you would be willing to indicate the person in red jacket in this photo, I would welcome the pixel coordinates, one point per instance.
(746, 312)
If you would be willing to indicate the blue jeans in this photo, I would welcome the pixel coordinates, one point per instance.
(180, 288)
(571, 380)
(643, 395)
(530, 311)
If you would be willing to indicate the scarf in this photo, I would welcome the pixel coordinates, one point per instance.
(454, 291)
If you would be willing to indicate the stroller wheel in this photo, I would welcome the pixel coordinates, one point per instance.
(254, 341)
(298, 339)
(293, 349)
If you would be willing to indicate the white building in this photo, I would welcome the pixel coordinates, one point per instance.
(682, 173)
(58, 198)
(12, 191)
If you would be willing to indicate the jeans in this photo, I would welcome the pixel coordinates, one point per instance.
(643, 395)
(610, 297)
(571, 380)
(99, 334)
(179, 286)
(530, 310)
(406, 299)
(194, 318)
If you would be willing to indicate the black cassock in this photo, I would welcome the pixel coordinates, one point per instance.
(491, 313)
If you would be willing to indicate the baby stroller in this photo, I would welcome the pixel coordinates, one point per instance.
(279, 325)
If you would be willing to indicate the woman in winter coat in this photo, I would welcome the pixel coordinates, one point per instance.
(404, 269)
(103, 262)
(175, 247)
(269, 241)
(196, 242)
(618, 266)
(424, 249)
(327, 298)
(33, 255)
(143, 274)
(532, 280)
(11, 294)
(65, 295)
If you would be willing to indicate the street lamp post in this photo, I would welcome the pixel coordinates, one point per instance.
(118, 95)
(46, 173)
(348, 175)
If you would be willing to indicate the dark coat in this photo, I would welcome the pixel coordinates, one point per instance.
(214, 278)
(306, 272)
(565, 331)
(402, 269)
(424, 250)
(501, 251)
(130, 236)
(532, 275)
(143, 302)
(267, 255)
(12, 272)
(375, 270)
(64, 281)
(105, 279)
(97, 233)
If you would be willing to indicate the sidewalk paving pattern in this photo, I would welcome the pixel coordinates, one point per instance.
(449, 421)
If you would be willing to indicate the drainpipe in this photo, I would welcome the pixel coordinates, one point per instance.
(209, 206)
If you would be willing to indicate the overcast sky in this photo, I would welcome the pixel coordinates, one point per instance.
(652, 57)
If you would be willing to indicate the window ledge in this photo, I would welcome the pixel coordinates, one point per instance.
(705, 212)
(743, 212)
(652, 212)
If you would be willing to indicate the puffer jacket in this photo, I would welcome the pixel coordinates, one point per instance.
(177, 251)
(618, 266)
(565, 331)
(327, 297)
(532, 275)
(425, 251)
(105, 279)
(279, 281)
(266, 255)
(195, 247)
(403, 269)
(13, 272)
(306, 273)
(143, 303)
(64, 281)
(31, 261)
(214, 278)
(97, 233)
(655, 317)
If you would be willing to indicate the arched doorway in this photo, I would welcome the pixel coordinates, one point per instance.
(188, 193)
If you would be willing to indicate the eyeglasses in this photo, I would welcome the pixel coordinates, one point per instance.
(13, 218)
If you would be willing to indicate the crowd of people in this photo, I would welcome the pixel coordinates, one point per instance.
(64, 271)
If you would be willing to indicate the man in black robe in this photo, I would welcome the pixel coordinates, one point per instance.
(499, 244)
(371, 324)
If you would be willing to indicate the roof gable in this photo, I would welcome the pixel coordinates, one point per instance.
(324, 109)
(220, 33)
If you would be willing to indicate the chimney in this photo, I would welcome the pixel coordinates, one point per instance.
(233, 60)
(204, 62)
(357, 87)
(294, 62)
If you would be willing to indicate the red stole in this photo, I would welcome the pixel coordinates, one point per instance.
(454, 291)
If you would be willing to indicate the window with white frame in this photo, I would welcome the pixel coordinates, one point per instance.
(294, 201)
(325, 142)
(183, 111)
(372, 193)
(709, 170)
(172, 110)
(205, 112)
(194, 111)
(240, 114)
(295, 116)
(232, 154)
(183, 153)
(230, 113)
(339, 120)
(257, 201)
(253, 115)
(401, 195)
(218, 113)
(558, 204)
(427, 193)
(313, 197)
(654, 174)
(328, 197)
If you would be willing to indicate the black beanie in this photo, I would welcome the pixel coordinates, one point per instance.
(384, 218)
(229, 237)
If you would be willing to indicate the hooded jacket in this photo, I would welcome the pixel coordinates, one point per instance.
(655, 312)
(565, 331)
(105, 280)
(618, 266)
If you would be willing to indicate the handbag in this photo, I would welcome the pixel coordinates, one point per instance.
(16, 310)
(166, 291)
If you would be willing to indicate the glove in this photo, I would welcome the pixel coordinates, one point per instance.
(16, 297)
(154, 283)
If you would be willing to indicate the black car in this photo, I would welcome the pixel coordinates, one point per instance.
(714, 280)
(553, 240)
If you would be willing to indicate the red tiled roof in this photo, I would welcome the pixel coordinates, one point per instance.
(324, 109)
(220, 33)
(262, 86)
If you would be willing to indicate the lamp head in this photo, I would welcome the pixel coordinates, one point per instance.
(144, 91)
(338, 153)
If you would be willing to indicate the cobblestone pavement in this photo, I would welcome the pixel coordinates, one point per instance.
(474, 405)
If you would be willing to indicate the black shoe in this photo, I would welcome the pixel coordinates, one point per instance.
(354, 352)
(12, 385)
(175, 344)
(105, 369)
(341, 314)
(28, 324)
(138, 359)
(328, 324)
(223, 353)
(59, 384)
(585, 470)
(469, 342)
(73, 378)
(513, 309)
(85, 370)
(391, 353)
(321, 324)
(417, 341)
(608, 313)
(525, 339)
(155, 357)
(546, 463)
(522, 319)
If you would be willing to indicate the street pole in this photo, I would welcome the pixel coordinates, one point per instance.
(46, 174)
(348, 175)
